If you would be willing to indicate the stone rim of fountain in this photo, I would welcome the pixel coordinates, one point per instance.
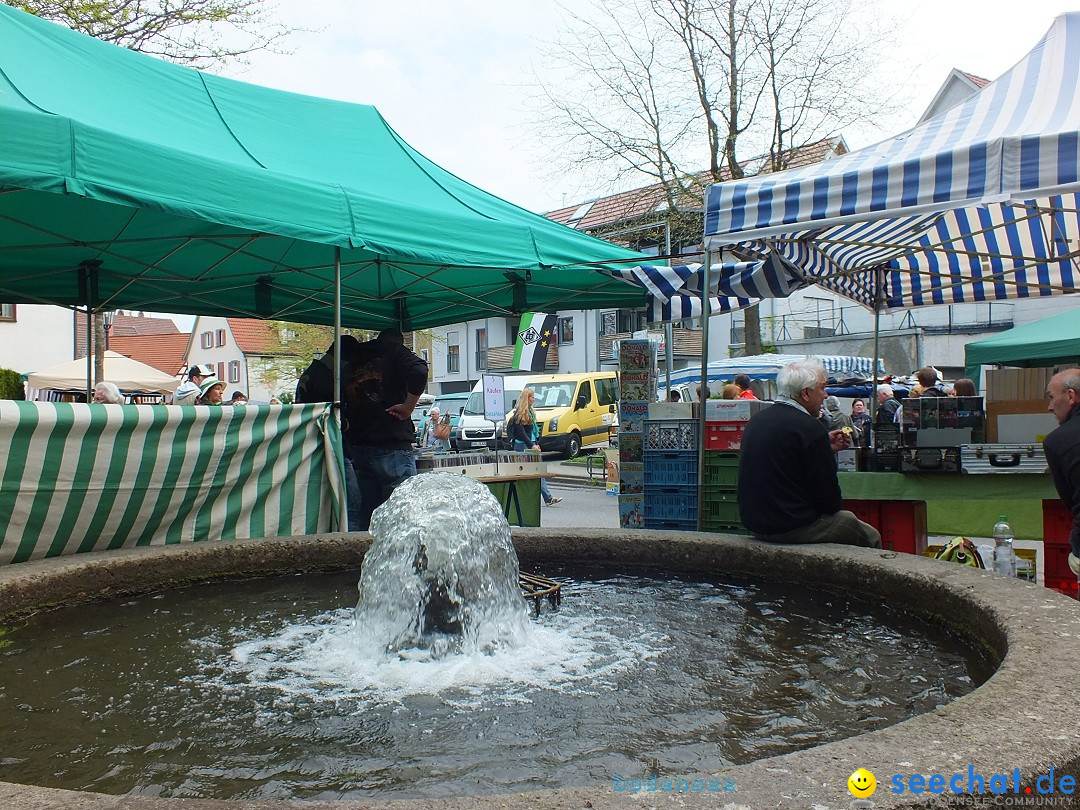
(1024, 717)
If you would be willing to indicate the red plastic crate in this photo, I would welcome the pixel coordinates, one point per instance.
(1056, 560)
(903, 526)
(1066, 585)
(1057, 522)
(866, 511)
(724, 435)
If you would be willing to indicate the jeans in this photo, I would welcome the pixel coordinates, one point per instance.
(378, 471)
(545, 491)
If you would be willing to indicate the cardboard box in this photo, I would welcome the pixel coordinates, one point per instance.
(732, 410)
(1024, 428)
(672, 410)
(996, 408)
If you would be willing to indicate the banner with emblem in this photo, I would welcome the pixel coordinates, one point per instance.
(535, 333)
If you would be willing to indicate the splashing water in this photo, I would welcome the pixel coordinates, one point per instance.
(441, 576)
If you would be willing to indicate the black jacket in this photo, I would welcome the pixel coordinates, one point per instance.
(382, 374)
(787, 471)
(1062, 449)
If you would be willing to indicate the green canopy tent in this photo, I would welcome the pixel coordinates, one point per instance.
(1052, 341)
(130, 182)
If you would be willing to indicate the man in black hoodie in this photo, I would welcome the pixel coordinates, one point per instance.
(385, 382)
(788, 489)
(1062, 447)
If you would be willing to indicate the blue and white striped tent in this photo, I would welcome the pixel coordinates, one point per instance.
(766, 366)
(676, 290)
(980, 203)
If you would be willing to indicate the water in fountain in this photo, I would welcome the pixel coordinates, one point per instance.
(441, 576)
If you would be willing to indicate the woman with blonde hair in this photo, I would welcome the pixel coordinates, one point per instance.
(523, 430)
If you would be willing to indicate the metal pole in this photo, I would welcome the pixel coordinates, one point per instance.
(705, 313)
(878, 282)
(669, 332)
(89, 350)
(343, 504)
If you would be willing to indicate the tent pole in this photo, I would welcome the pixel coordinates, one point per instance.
(669, 332)
(878, 281)
(343, 505)
(705, 313)
(89, 351)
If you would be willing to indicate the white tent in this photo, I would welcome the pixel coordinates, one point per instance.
(130, 376)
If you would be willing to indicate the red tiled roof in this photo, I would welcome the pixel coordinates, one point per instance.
(978, 81)
(253, 336)
(125, 324)
(630, 205)
(164, 352)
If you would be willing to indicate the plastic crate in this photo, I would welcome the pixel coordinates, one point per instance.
(1066, 585)
(671, 503)
(1056, 560)
(723, 528)
(866, 511)
(720, 505)
(671, 525)
(671, 468)
(721, 468)
(903, 526)
(724, 435)
(1057, 522)
(671, 434)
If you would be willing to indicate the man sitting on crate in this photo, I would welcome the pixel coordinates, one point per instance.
(788, 489)
(1062, 448)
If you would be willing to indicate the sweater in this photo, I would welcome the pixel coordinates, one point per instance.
(1062, 448)
(787, 472)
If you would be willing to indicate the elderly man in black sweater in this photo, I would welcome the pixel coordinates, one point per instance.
(1062, 448)
(788, 489)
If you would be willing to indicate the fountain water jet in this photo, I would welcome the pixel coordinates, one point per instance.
(441, 576)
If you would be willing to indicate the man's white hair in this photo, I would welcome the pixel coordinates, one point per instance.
(110, 391)
(886, 389)
(794, 377)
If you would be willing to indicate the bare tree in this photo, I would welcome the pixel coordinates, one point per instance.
(198, 33)
(662, 89)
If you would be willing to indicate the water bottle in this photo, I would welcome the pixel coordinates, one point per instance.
(1004, 556)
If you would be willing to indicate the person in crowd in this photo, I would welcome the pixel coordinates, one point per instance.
(729, 391)
(190, 390)
(238, 398)
(963, 388)
(524, 430)
(275, 401)
(384, 384)
(788, 488)
(930, 380)
(887, 405)
(698, 392)
(860, 418)
(316, 384)
(107, 393)
(212, 390)
(674, 396)
(916, 391)
(743, 381)
(428, 438)
(1062, 448)
(838, 420)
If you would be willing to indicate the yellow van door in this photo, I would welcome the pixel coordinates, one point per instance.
(589, 417)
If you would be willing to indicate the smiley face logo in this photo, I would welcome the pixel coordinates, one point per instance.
(862, 784)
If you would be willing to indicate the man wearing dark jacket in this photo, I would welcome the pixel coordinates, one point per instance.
(1062, 449)
(385, 382)
(788, 489)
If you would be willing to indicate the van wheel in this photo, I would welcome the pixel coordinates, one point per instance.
(573, 445)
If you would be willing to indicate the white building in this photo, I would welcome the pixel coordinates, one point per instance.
(246, 354)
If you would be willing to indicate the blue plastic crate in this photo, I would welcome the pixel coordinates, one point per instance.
(671, 525)
(671, 503)
(671, 468)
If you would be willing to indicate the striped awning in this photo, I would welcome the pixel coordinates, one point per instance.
(980, 203)
(766, 366)
(676, 290)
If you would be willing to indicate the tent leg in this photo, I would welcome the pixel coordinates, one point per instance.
(706, 311)
(877, 351)
(343, 503)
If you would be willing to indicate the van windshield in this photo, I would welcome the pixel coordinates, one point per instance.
(554, 394)
(475, 405)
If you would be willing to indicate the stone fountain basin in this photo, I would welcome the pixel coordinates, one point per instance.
(1026, 716)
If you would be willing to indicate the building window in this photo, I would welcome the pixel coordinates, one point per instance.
(220, 337)
(234, 371)
(481, 348)
(566, 330)
(206, 340)
(424, 355)
(630, 320)
(221, 370)
(453, 353)
(609, 323)
(7, 312)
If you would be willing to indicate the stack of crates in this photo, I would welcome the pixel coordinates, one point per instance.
(670, 449)
(720, 493)
(1057, 524)
(902, 524)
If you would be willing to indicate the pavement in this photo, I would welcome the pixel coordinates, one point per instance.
(576, 474)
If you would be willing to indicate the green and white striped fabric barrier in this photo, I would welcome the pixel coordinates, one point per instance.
(77, 477)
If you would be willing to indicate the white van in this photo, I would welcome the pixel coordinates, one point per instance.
(473, 431)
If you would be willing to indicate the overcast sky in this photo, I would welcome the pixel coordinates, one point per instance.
(450, 75)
